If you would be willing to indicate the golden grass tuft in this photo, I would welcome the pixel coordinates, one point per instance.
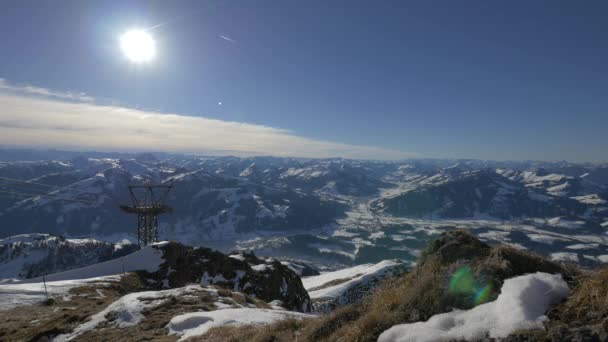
(588, 301)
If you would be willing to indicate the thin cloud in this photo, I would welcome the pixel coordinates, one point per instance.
(44, 92)
(228, 39)
(58, 122)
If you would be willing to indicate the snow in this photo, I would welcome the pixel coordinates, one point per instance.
(564, 223)
(147, 259)
(583, 246)
(376, 235)
(17, 294)
(565, 256)
(532, 177)
(31, 291)
(14, 269)
(20, 252)
(540, 238)
(198, 323)
(521, 305)
(496, 236)
(128, 310)
(24, 238)
(261, 267)
(237, 257)
(593, 199)
(559, 190)
(248, 171)
(303, 173)
(358, 275)
(603, 258)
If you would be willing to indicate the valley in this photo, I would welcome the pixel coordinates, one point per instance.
(328, 212)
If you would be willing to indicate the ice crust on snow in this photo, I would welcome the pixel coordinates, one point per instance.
(198, 323)
(521, 304)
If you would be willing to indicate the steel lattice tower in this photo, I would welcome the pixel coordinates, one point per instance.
(148, 204)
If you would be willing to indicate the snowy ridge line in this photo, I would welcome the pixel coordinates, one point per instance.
(336, 287)
(147, 259)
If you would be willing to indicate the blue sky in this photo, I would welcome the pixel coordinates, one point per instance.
(368, 79)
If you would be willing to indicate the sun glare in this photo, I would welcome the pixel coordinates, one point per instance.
(138, 46)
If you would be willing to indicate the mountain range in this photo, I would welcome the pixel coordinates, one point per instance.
(329, 212)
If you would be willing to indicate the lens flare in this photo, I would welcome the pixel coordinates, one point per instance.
(463, 283)
(483, 294)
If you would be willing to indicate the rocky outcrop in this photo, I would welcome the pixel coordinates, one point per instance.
(457, 256)
(266, 279)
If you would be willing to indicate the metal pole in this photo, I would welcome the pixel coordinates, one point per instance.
(44, 282)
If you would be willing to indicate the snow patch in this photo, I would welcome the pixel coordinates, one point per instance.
(565, 256)
(198, 323)
(521, 304)
(128, 310)
(353, 277)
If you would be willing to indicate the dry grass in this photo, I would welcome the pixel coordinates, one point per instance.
(407, 298)
(588, 301)
(285, 330)
(241, 298)
(334, 282)
(412, 297)
(42, 321)
(152, 327)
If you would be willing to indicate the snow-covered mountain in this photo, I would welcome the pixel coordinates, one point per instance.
(329, 212)
(486, 192)
(83, 201)
(34, 255)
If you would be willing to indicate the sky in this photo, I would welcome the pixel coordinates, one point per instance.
(501, 80)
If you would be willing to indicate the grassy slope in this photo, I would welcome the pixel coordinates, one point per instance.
(38, 322)
(415, 296)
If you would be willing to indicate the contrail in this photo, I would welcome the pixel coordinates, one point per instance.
(155, 26)
(178, 18)
(228, 39)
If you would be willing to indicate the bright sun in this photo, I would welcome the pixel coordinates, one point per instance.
(138, 46)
